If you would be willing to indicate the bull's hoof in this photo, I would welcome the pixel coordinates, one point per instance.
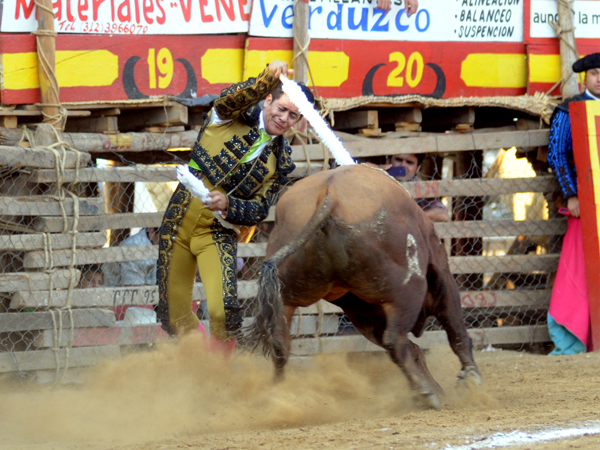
(429, 401)
(469, 378)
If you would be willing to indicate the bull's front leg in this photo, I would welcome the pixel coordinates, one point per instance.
(282, 353)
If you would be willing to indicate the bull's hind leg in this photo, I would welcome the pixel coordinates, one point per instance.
(403, 353)
(281, 353)
(370, 320)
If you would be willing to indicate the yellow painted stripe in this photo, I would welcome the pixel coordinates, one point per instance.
(495, 70)
(593, 110)
(223, 65)
(329, 69)
(544, 68)
(73, 68)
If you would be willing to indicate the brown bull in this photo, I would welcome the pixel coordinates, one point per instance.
(354, 236)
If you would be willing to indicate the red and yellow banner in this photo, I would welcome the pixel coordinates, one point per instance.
(543, 66)
(93, 68)
(585, 124)
(350, 68)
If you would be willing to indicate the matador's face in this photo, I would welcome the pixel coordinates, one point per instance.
(280, 115)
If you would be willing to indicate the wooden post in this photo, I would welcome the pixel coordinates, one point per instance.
(46, 46)
(301, 40)
(585, 125)
(565, 32)
(300, 62)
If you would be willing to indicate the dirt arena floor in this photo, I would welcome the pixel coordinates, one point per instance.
(180, 397)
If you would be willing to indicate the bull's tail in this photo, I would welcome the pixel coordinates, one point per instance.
(263, 331)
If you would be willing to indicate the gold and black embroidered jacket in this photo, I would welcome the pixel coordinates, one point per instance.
(251, 187)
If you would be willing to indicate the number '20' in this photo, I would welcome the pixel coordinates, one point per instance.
(415, 65)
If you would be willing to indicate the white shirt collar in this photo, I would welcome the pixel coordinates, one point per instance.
(261, 123)
(587, 91)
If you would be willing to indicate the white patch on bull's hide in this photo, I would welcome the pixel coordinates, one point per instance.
(412, 260)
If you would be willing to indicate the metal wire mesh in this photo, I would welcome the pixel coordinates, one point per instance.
(78, 282)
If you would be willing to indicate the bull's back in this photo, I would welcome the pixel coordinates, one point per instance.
(359, 193)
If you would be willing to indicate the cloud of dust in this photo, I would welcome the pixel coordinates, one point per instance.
(180, 389)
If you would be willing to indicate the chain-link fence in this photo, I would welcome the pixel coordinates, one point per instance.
(78, 244)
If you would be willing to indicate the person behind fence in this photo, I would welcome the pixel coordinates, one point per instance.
(133, 273)
(569, 314)
(406, 167)
(91, 277)
(244, 160)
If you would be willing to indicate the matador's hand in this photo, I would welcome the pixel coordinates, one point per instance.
(280, 67)
(217, 202)
(573, 206)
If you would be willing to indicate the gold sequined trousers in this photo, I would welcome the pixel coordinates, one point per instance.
(191, 237)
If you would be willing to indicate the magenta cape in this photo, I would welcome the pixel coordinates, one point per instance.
(569, 305)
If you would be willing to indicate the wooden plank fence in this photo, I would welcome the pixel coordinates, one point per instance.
(47, 254)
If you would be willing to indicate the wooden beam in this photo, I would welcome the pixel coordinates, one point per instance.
(145, 334)
(35, 205)
(506, 264)
(483, 337)
(430, 339)
(36, 111)
(43, 320)
(19, 157)
(449, 143)
(458, 264)
(105, 124)
(396, 116)
(174, 114)
(431, 144)
(20, 281)
(138, 172)
(54, 224)
(9, 121)
(347, 120)
(46, 359)
(62, 258)
(27, 242)
(124, 174)
(116, 335)
(106, 297)
(87, 298)
(494, 228)
(531, 299)
(480, 186)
